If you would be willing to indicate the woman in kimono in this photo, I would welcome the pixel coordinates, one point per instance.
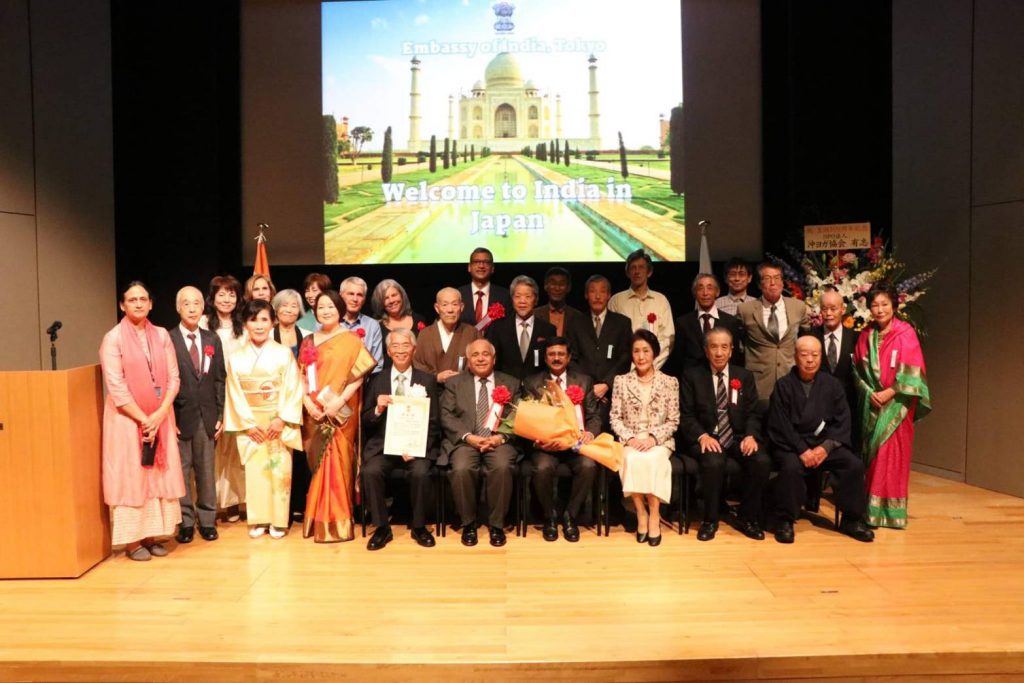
(333, 361)
(142, 479)
(263, 411)
(893, 395)
(223, 316)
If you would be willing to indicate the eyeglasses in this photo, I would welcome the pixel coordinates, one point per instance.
(477, 262)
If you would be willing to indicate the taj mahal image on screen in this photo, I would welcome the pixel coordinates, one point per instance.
(504, 112)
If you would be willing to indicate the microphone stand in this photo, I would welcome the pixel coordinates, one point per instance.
(53, 350)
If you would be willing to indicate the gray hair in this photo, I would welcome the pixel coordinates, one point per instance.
(400, 332)
(701, 276)
(381, 290)
(447, 290)
(594, 279)
(354, 280)
(181, 295)
(481, 339)
(717, 329)
(283, 296)
(524, 280)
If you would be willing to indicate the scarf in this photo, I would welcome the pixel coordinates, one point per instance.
(143, 376)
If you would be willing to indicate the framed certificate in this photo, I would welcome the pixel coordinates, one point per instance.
(408, 421)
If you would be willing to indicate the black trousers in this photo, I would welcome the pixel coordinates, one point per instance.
(300, 481)
(499, 464)
(545, 470)
(848, 483)
(378, 468)
(755, 469)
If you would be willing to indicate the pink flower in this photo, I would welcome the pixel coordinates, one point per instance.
(849, 257)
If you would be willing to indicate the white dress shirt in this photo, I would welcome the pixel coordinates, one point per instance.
(446, 336)
(637, 308)
(486, 289)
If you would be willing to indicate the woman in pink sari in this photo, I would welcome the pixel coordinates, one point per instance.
(893, 394)
(142, 478)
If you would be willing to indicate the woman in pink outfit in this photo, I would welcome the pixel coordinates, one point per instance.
(142, 478)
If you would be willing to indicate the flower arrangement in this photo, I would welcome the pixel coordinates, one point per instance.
(852, 274)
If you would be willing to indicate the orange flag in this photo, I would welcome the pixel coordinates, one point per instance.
(261, 266)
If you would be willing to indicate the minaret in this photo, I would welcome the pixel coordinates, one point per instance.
(451, 117)
(414, 107)
(558, 116)
(595, 127)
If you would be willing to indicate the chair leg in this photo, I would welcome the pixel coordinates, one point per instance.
(686, 502)
(362, 502)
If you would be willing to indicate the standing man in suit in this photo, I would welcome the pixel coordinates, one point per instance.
(600, 343)
(519, 339)
(771, 325)
(397, 380)
(721, 423)
(557, 285)
(468, 444)
(645, 308)
(838, 344)
(546, 456)
(441, 345)
(809, 428)
(737, 278)
(691, 327)
(480, 293)
(198, 413)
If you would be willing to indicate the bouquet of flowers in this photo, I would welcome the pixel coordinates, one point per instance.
(552, 417)
(852, 274)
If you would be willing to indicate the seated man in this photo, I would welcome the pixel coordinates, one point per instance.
(441, 345)
(809, 427)
(518, 338)
(719, 420)
(545, 457)
(397, 381)
(467, 407)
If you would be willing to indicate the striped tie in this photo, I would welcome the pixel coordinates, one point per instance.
(483, 406)
(724, 428)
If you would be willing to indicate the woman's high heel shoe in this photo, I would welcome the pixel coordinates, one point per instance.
(654, 541)
(641, 537)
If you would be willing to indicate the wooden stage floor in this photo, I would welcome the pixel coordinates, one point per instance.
(945, 597)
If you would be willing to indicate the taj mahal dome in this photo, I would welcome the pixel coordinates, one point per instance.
(504, 112)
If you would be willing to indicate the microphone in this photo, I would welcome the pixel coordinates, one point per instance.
(52, 329)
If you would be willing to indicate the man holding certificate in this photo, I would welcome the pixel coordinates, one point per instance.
(401, 429)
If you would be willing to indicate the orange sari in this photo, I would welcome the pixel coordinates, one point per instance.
(339, 361)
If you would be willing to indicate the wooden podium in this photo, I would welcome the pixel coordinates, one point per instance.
(53, 521)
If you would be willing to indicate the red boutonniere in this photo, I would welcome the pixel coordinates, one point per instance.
(208, 350)
(420, 325)
(494, 312)
(361, 332)
(308, 355)
(735, 384)
(501, 395)
(575, 394)
(652, 318)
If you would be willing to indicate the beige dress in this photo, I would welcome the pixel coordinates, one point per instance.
(228, 470)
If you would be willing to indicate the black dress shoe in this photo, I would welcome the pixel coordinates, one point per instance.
(469, 534)
(752, 530)
(550, 531)
(209, 533)
(497, 536)
(423, 536)
(185, 534)
(707, 531)
(381, 537)
(569, 528)
(654, 541)
(856, 529)
(784, 532)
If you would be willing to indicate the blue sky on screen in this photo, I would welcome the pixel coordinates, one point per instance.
(367, 49)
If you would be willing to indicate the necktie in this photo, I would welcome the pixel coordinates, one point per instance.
(597, 326)
(773, 324)
(482, 408)
(524, 340)
(400, 388)
(479, 312)
(833, 352)
(724, 428)
(706, 324)
(193, 350)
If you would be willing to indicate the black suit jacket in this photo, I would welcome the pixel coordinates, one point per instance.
(458, 408)
(504, 334)
(590, 354)
(844, 368)
(200, 398)
(688, 350)
(374, 425)
(534, 384)
(300, 334)
(794, 419)
(698, 405)
(497, 295)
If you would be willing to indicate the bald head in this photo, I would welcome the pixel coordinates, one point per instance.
(808, 356)
(448, 305)
(189, 304)
(832, 309)
(480, 357)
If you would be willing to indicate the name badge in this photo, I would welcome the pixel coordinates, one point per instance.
(609, 352)
(892, 360)
(820, 428)
(735, 397)
(159, 391)
(536, 358)
(462, 362)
